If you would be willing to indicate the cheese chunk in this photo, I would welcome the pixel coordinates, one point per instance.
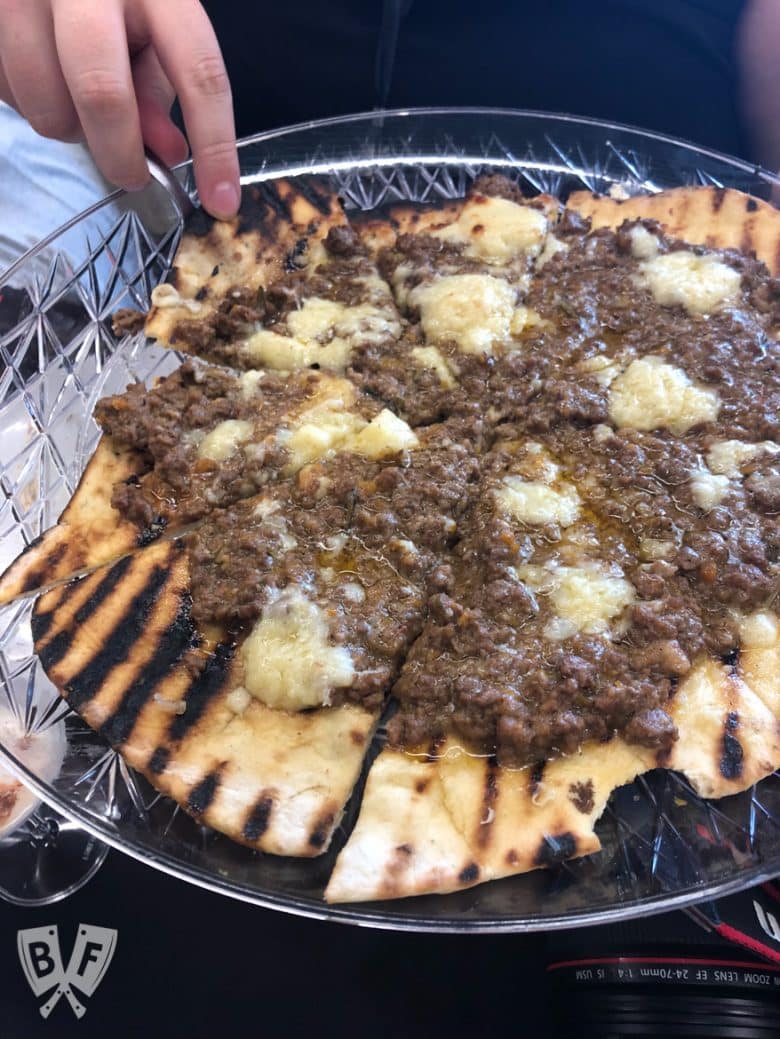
(497, 230)
(701, 284)
(250, 381)
(707, 489)
(321, 332)
(644, 245)
(585, 598)
(651, 394)
(289, 662)
(164, 296)
(384, 435)
(531, 501)
(223, 440)
(759, 629)
(430, 357)
(552, 247)
(728, 456)
(603, 369)
(472, 310)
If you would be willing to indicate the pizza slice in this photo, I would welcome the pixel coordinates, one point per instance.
(278, 225)
(294, 288)
(243, 668)
(202, 438)
(595, 626)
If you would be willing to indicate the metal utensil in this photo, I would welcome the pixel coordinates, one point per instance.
(165, 176)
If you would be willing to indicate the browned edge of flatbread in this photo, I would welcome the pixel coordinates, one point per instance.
(115, 642)
(445, 821)
(88, 533)
(280, 223)
(720, 218)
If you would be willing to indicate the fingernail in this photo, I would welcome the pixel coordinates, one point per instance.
(224, 200)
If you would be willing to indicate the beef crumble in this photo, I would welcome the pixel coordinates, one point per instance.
(678, 524)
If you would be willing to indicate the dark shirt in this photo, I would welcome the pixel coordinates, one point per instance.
(667, 65)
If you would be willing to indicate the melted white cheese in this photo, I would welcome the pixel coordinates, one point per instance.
(531, 501)
(497, 230)
(651, 394)
(728, 456)
(585, 598)
(759, 629)
(321, 332)
(430, 357)
(644, 245)
(701, 284)
(472, 310)
(526, 317)
(552, 247)
(223, 440)
(164, 296)
(708, 489)
(289, 662)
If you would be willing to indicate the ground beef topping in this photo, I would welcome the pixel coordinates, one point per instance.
(582, 501)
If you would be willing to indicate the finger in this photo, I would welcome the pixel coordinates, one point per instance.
(155, 96)
(193, 62)
(32, 70)
(92, 45)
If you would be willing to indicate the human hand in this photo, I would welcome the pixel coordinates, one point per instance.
(107, 72)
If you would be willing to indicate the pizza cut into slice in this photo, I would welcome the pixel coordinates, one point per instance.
(244, 667)
(287, 295)
(221, 266)
(203, 437)
(592, 629)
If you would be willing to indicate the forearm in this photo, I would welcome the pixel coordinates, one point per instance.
(758, 55)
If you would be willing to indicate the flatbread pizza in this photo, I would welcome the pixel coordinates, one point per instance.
(501, 473)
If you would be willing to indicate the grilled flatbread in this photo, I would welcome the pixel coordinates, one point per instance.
(719, 218)
(117, 644)
(533, 494)
(444, 821)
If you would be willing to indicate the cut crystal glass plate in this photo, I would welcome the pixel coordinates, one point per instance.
(662, 845)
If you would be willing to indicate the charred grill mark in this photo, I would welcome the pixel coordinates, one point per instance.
(257, 821)
(489, 797)
(469, 873)
(718, 198)
(199, 224)
(41, 574)
(202, 690)
(201, 294)
(511, 857)
(746, 242)
(41, 622)
(357, 737)
(158, 762)
(173, 644)
(422, 785)
(202, 794)
(315, 196)
(731, 659)
(581, 796)
(435, 746)
(405, 849)
(555, 849)
(318, 837)
(152, 532)
(535, 779)
(751, 205)
(268, 195)
(103, 590)
(731, 760)
(87, 683)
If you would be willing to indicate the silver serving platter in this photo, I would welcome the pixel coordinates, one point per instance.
(663, 847)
